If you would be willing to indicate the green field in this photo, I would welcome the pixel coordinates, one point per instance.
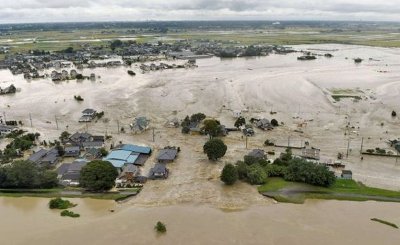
(51, 193)
(350, 190)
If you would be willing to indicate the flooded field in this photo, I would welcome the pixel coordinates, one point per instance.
(330, 222)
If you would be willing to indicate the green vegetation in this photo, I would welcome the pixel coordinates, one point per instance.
(293, 192)
(24, 174)
(160, 227)
(58, 203)
(98, 176)
(241, 121)
(212, 128)
(64, 136)
(385, 222)
(69, 214)
(215, 148)
(19, 144)
(229, 174)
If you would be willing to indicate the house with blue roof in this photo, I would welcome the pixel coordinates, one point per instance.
(127, 154)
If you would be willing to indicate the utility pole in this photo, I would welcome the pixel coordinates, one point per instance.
(118, 126)
(288, 141)
(362, 142)
(5, 119)
(154, 135)
(246, 141)
(30, 118)
(56, 121)
(348, 145)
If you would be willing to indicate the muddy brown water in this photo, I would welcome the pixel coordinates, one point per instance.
(30, 221)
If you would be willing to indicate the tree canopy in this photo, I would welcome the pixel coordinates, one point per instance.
(98, 176)
(215, 148)
(24, 174)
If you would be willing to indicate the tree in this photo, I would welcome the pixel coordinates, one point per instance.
(229, 174)
(21, 174)
(274, 123)
(64, 136)
(212, 128)
(240, 122)
(394, 114)
(98, 176)
(198, 117)
(215, 148)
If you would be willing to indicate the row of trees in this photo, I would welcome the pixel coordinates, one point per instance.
(24, 174)
(256, 171)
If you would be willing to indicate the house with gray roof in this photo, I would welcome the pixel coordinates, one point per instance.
(72, 151)
(257, 153)
(71, 172)
(45, 157)
(167, 155)
(159, 171)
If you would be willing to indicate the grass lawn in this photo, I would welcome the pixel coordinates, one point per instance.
(350, 190)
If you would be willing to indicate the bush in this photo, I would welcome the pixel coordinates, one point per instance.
(240, 122)
(160, 227)
(58, 203)
(268, 143)
(229, 174)
(69, 214)
(256, 175)
(185, 130)
(394, 114)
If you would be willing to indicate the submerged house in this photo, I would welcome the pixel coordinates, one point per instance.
(257, 153)
(140, 124)
(128, 174)
(346, 174)
(310, 153)
(159, 171)
(88, 115)
(167, 155)
(6, 129)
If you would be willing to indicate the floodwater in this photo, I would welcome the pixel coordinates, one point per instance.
(30, 221)
(193, 202)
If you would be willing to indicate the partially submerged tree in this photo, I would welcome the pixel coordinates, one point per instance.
(212, 128)
(215, 148)
(229, 174)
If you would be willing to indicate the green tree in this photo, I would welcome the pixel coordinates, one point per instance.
(64, 136)
(240, 122)
(198, 117)
(212, 128)
(229, 174)
(21, 174)
(98, 176)
(274, 123)
(215, 148)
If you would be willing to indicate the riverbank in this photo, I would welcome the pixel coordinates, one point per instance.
(348, 190)
(57, 192)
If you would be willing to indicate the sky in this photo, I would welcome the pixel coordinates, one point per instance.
(25, 11)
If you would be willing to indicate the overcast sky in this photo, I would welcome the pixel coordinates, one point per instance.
(17, 11)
